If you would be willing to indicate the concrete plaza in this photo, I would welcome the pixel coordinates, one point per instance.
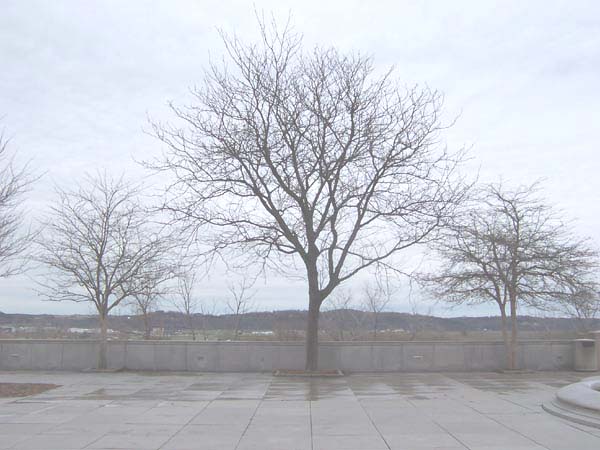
(477, 411)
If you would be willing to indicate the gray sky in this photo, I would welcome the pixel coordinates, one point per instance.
(79, 79)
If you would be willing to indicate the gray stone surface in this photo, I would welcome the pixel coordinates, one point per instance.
(585, 394)
(179, 411)
(268, 356)
(585, 355)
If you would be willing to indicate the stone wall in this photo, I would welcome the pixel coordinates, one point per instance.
(267, 356)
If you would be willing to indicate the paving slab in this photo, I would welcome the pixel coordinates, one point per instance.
(393, 411)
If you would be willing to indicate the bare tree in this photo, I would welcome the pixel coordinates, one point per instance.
(208, 309)
(240, 301)
(419, 319)
(376, 298)
(15, 237)
(144, 305)
(149, 290)
(582, 303)
(309, 155)
(98, 244)
(511, 249)
(186, 301)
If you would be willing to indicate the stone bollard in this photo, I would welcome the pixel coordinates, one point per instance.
(585, 355)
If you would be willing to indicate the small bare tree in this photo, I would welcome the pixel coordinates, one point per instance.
(186, 301)
(344, 323)
(376, 298)
(511, 249)
(581, 303)
(240, 301)
(144, 305)
(98, 243)
(309, 155)
(151, 288)
(419, 318)
(15, 238)
(208, 309)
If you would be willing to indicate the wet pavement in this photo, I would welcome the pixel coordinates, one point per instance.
(138, 411)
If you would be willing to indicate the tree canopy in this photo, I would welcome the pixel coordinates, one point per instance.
(311, 154)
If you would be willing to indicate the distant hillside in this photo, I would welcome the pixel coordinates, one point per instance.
(295, 320)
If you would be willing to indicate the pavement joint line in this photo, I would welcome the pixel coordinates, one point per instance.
(187, 423)
(502, 424)
(260, 402)
(520, 405)
(440, 426)
(370, 418)
(516, 431)
(95, 409)
(571, 424)
(96, 440)
(312, 443)
(532, 410)
(375, 426)
(451, 434)
(496, 397)
(25, 437)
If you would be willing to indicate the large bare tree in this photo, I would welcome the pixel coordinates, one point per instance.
(15, 236)
(312, 155)
(99, 245)
(510, 248)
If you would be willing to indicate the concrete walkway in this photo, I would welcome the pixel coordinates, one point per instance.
(477, 411)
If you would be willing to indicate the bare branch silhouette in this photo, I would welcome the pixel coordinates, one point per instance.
(309, 155)
(240, 301)
(15, 235)
(510, 248)
(99, 246)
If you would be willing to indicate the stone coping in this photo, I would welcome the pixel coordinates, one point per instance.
(285, 343)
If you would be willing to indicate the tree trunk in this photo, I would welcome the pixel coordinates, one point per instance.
(102, 353)
(191, 325)
(375, 327)
(147, 328)
(236, 328)
(315, 300)
(513, 334)
(312, 335)
(204, 329)
(505, 336)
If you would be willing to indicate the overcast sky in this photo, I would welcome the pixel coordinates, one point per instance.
(78, 80)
